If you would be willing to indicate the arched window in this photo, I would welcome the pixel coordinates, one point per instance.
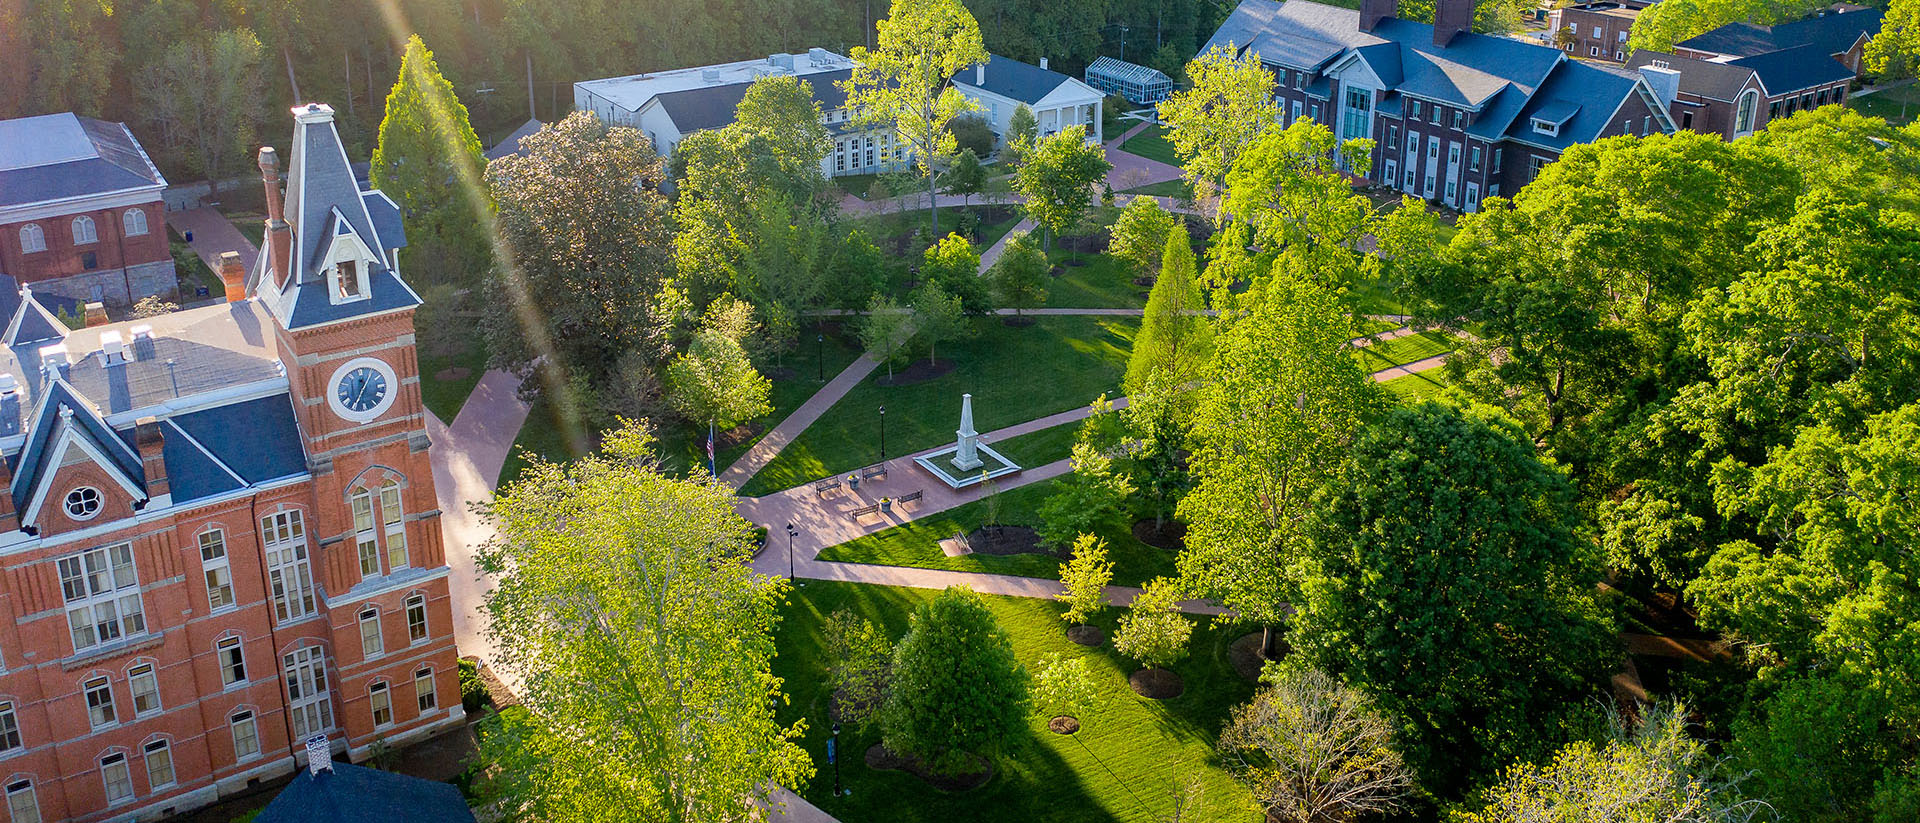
(135, 222)
(1744, 112)
(32, 239)
(83, 232)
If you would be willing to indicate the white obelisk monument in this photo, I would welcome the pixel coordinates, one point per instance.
(965, 458)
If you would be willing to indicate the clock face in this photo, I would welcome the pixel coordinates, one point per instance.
(363, 389)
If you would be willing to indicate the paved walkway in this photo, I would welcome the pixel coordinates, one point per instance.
(770, 445)
(999, 247)
(467, 457)
(212, 235)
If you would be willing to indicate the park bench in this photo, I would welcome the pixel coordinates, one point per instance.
(827, 485)
(874, 471)
(863, 511)
(911, 497)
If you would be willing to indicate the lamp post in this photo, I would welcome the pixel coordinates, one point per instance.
(791, 534)
(883, 434)
(820, 354)
(833, 747)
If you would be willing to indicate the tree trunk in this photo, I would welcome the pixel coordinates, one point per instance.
(933, 201)
(1269, 643)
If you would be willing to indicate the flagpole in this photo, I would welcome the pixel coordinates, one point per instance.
(710, 469)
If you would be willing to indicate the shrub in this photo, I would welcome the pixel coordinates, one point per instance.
(473, 690)
(957, 690)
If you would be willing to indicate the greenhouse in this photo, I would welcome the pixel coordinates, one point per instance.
(1138, 84)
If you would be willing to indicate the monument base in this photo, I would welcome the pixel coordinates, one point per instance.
(945, 465)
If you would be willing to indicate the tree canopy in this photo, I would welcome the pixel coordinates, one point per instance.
(428, 160)
(958, 691)
(902, 85)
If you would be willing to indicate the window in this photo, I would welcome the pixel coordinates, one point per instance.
(381, 703)
(99, 702)
(233, 663)
(213, 560)
(1744, 111)
(1493, 190)
(82, 503)
(1534, 164)
(1433, 113)
(159, 764)
(1451, 184)
(1806, 100)
(289, 579)
(416, 618)
(1433, 148)
(22, 805)
(1596, 32)
(1393, 138)
(90, 261)
(312, 706)
(9, 728)
(1473, 159)
(346, 279)
(370, 642)
(1821, 98)
(1686, 120)
(1619, 55)
(423, 690)
(103, 596)
(1773, 110)
(394, 518)
(1646, 124)
(83, 231)
(1593, 51)
(32, 239)
(1415, 109)
(135, 222)
(1546, 127)
(246, 737)
(119, 779)
(1495, 166)
(145, 688)
(361, 502)
(1623, 36)
(1459, 118)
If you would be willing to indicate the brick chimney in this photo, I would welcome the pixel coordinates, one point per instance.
(233, 275)
(1374, 11)
(152, 442)
(97, 314)
(1451, 18)
(279, 235)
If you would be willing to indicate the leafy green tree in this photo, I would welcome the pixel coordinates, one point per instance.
(885, 330)
(1084, 578)
(784, 270)
(1230, 103)
(1022, 130)
(1064, 687)
(1019, 277)
(967, 177)
(1157, 417)
(1894, 52)
(428, 160)
(776, 127)
(1175, 337)
(633, 701)
(713, 382)
(860, 664)
(971, 135)
(1153, 631)
(1057, 180)
(859, 272)
(1312, 749)
(954, 266)
(1651, 770)
(1084, 499)
(1140, 235)
(957, 690)
(1817, 749)
(902, 84)
(203, 97)
(1438, 509)
(936, 317)
(1288, 193)
(1687, 18)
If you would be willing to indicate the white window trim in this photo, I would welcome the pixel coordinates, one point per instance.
(393, 517)
(12, 718)
(102, 684)
(152, 673)
(308, 665)
(366, 544)
(38, 238)
(222, 564)
(426, 626)
(220, 648)
(33, 797)
(252, 720)
(432, 691)
(107, 787)
(146, 758)
(298, 600)
(91, 233)
(372, 643)
(117, 595)
(134, 221)
(376, 692)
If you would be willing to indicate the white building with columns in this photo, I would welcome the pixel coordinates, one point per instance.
(1002, 84)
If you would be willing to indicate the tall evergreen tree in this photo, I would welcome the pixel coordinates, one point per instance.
(1175, 338)
(429, 162)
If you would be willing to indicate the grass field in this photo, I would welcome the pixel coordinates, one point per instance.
(1126, 763)
(1890, 103)
(1039, 448)
(1014, 374)
(1414, 388)
(1152, 144)
(1176, 189)
(1403, 350)
(1099, 281)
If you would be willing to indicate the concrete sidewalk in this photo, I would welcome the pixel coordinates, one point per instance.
(212, 235)
(769, 445)
(467, 457)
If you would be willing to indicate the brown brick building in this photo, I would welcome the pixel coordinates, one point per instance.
(1596, 31)
(80, 211)
(220, 535)
(1738, 97)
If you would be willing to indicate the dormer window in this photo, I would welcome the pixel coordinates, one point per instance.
(1547, 128)
(346, 281)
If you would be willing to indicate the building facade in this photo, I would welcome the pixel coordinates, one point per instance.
(220, 535)
(1738, 97)
(80, 211)
(1596, 31)
(1000, 86)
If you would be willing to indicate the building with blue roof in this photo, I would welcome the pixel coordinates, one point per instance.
(345, 793)
(1839, 32)
(219, 525)
(1000, 86)
(1734, 80)
(1455, 116)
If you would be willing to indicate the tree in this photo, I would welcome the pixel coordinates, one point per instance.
(203, 98)
(903, 85)
(713, 382)
(1816, 749)
(885, 330)
(1687, 18)
(1175, 337)
(1140, 235)
(858, 273)
(1084, 579)
(1083, 500)
(1153, 631)
(1438, 509)
(1313, 750)
(1057, 179)
(967, 177)
(971, 135)
(1022, 130)
(1064, 687)
(1230, 103)
(428, 160)
(954, 266)
(936, 317)
(588, 249)
(1646, 771)
(1019, 277)
(860, 665)
(957, 690)
(1894, 52)
(633, 701)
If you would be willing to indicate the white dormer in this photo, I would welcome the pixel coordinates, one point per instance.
(347, 262)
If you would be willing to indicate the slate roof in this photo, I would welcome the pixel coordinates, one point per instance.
(1014, 80)
(1831, 32)
(357, 794)
(1597, 91)
(1715, 81)
(62, 409)
(712, 107)
(57, 156)
(1790, 70)
(272, 448)
(511, 145)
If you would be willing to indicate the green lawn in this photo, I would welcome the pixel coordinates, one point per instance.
(541, 435)
(1014, 374)
(1152, 144)
(1100, 281)
(1125, 764)
(1039, 448)
(1414, 388)
(1403, 350)
(1176, 189)
(859, 185)
(1888, 104)
(253, 226)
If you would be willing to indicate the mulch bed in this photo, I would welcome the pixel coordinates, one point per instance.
(780, 374)
(1244, 655)
(919, 371)
(739, 435)
(1006, 540)
(1063, 725)
(879, 758)
(1170, 534)
(1086, 635)
(453, 373)
(1156, 684)
(1018, 321)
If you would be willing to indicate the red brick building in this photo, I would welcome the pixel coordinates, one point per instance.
(1735, 98)
(1597, 30)
(80, 211)
(220, 534)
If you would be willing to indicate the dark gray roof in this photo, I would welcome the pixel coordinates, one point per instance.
(511, 145)
(357, 794)
(326, 186)
(1790, 70)
(1831, 32)
(59, 410)
(1596, 92)
(386, 219)
(1715, 81)
(1014, 80)
(712, 107)
(57, 156)
(272, 448)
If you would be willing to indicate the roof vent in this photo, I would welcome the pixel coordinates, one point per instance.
(818, 57)
(114, 348)
(319, 755)
(8, 384)
(142, 332)
(53, 357)
(710, 75)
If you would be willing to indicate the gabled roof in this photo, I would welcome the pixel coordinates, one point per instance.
(357, 794)
(1592, 92)
(1014, 80)
(61, 411)
(1829, 31)
(272, 448)
(511, 145)
(712, 107)
(1714, 81)
(1790, 70)
(59, 156)
(1121, 70)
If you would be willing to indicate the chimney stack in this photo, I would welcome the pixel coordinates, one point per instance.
(96, 314)
(152, 443)
(233, 276)
(1451, 18)
(1043, 64)
(1664, 81)
(980, 75)
(279, 236)
(1374, 11)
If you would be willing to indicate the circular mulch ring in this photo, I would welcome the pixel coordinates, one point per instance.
(1170, 534)
(780, 374)
(878, 757)
(1057, 271)
(1144, 281)
(1156, 684)
(1005, 540)
(453, 373)
(1244, 654)
(740, 434)
(1063, 725)
(1086, 635)
(919, 371)
(1018, 321)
